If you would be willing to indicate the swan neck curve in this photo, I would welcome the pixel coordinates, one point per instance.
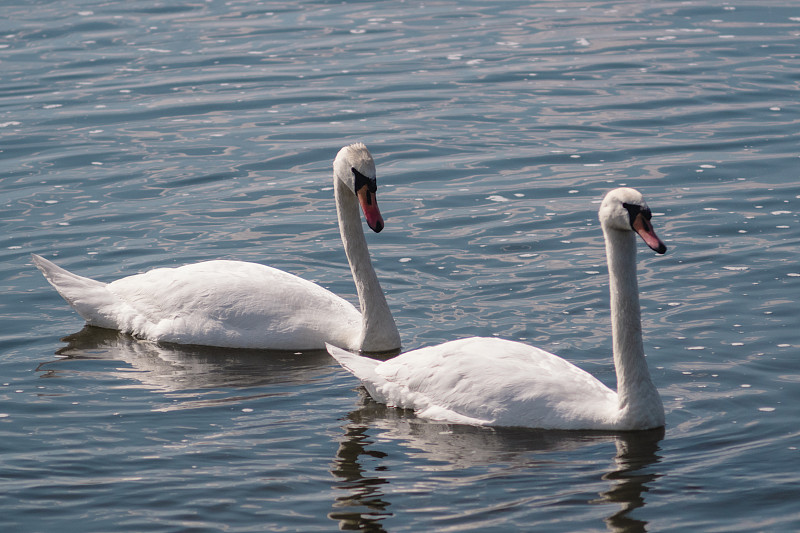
(638, 397)
(379, 332)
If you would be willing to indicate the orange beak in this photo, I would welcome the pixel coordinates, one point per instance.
(645, 230)
(369, 204)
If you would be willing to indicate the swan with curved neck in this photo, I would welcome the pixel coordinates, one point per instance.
(239, 304)
(490, 381)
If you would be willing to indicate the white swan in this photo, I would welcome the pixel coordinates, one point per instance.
(247, 305)
(490, 381)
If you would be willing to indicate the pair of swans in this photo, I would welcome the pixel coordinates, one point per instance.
(479, 381)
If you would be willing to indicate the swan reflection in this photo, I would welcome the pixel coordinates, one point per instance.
(435, 447)
(191, 376)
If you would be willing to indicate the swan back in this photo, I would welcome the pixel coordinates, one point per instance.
(234, 304)
(215, 303)
(487, 381)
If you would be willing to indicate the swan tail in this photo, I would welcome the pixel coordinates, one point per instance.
(361, 367)
(396, 395)
(87, 297)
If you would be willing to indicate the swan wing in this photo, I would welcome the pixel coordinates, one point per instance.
(489, 381)
(221, 303)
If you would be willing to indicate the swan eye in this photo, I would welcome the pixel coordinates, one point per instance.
(362, 180)
(635, 210)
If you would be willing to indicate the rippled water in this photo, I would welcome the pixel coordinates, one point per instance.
(142, 134)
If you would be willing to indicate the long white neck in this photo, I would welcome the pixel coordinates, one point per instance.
(638, 397)
(379, 332)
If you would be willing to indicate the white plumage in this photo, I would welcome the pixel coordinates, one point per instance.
(490, 381)
(485, 381)
(249, 305)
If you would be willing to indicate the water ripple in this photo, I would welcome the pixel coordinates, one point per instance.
(138, 134)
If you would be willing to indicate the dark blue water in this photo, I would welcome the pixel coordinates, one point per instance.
(142, 134)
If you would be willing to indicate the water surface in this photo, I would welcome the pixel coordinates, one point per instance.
(142, 134)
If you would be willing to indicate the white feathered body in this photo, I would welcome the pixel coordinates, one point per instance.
(214, 303)
(488, 381)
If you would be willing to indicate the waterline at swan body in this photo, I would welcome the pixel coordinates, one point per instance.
(490, 381)
(248, 305)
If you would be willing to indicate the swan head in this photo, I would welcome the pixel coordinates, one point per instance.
(624, 209)
(355, 168)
